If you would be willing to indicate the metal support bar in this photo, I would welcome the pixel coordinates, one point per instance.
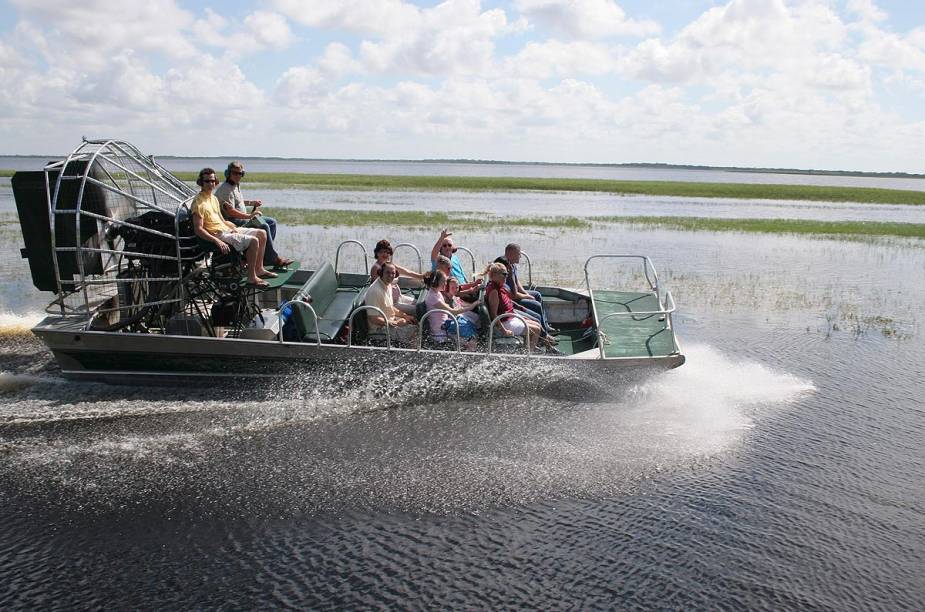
(341, 245)
(299, 303)
(471, 256)
(416, 251)
(388, 339)
(421, 327)
(509, 315)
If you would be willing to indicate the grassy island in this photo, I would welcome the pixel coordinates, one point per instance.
(747, 191)
(482, 221)
(742, 191)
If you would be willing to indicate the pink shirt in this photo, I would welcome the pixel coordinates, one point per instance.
(434, 299)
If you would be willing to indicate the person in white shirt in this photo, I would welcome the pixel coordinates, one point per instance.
(402, 326)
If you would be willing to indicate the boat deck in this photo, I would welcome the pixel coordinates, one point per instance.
(283, 278)
(628, 335)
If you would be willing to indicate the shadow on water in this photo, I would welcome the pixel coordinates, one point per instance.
(444, 439)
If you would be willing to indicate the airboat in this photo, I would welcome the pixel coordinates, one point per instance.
(139, 298)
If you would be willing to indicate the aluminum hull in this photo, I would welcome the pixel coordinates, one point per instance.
(153, 358)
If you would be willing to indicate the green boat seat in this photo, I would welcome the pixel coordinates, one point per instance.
(332, 305)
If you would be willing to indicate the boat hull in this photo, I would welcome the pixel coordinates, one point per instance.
(158, 358)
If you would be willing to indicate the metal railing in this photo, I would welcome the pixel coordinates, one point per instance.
(666, 307)
(344, 243)
(529, 270)
(471, 257)
(646, 267)
(388, 338)
(297, 302)
(509, 315)
(421, 327)
(416, 252)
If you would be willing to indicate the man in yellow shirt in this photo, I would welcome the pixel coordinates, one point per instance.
(209, 225)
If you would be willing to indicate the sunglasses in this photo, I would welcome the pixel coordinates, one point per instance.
(208, 181)
(238, 172)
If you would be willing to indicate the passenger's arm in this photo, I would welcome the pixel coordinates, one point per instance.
(200, 231)
(493, 300)
(434, 252)
(233, 213)
(409, 273)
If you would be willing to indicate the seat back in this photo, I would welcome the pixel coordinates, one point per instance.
(322, 287)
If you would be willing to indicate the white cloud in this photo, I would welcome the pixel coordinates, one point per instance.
(454, 38)
(893, 52)
(258, 31)
(585, 18)
(269, 30)
(866, 10)
(300, 86)
(555, 58)
(338, 60)
(385, 17)
(748, 82)
(87, 35)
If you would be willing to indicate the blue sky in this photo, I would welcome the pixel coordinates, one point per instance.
(780, 83)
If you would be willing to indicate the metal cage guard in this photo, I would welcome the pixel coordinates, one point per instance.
(99, 188)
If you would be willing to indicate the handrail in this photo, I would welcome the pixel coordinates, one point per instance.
(471, 256)
(421, 327)
(667, 312)
(417, 252)
(529, 270)
(341, 245)
(508, 315)
(388, 335)
(646, 266)
(279, 317)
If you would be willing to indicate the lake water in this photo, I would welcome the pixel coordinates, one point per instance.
(781, 468)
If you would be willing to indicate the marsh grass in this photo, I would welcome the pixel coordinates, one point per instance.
(820, 193)
(418, 219)
(483, 221)
(777, 226)
(742, 191)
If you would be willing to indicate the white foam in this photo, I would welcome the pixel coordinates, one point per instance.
(18, 324)
(713, 398)
(13, 382)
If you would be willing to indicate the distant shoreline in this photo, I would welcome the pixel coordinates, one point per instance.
(493, 162)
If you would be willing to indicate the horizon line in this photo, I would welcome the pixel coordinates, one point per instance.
(665, 165)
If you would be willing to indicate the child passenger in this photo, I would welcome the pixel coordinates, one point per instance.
(442, 326)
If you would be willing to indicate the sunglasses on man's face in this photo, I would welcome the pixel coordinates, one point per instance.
(238, 172)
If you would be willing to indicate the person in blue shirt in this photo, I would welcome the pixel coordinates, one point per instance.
(444, 246)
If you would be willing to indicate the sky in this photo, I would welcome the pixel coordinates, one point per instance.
(812, 84)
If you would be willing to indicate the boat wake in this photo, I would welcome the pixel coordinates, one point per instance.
(444, 438)
(15, 325)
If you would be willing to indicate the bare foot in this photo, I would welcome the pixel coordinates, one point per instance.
(267, 274)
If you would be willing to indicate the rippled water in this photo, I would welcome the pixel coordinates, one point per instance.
(780, 468)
